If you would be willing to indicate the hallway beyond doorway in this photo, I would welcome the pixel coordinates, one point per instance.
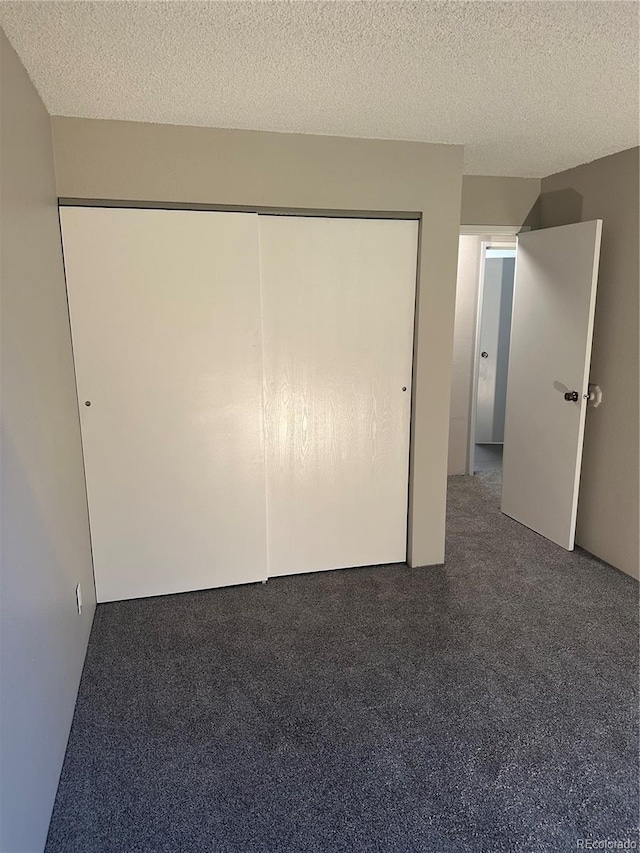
(487, 457)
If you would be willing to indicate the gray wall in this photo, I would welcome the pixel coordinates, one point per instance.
(608, 507)
(45, 538)
(136, 161)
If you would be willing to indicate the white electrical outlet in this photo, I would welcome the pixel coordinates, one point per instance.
(79, 598)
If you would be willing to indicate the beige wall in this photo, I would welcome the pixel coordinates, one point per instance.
(133, 161)
(608, 507)
(499, 201)
(45, 536)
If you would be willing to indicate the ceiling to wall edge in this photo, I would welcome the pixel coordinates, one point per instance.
(334, 136)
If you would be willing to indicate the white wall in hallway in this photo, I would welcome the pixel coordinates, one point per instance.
(495, 335)
(463, 341)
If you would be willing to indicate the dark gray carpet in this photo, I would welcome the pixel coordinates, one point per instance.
(486, 706)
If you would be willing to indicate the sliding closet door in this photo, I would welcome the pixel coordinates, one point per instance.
(165, 316)
(338, 308)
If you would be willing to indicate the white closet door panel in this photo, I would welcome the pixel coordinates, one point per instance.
(165, 314)
(338, 307)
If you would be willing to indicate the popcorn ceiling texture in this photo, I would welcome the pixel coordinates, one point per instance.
(530, 88)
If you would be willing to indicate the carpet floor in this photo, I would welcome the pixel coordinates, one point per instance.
(489, 705)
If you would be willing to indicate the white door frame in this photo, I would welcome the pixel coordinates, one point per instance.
(497, 238)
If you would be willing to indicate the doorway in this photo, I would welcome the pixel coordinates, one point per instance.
(538, 416)
(491, 355)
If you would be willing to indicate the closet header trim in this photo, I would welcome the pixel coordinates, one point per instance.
(233, 208)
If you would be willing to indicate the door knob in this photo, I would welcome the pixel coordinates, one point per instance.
(571, 396)
(484, 354)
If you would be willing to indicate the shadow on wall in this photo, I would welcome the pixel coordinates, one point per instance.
(560, 207)
(532, 220)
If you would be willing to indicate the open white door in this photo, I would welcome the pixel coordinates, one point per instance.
(552, 328)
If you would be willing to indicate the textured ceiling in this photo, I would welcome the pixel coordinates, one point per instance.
(529, 88)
